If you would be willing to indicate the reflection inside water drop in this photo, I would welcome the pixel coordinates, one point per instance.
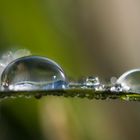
(33, 73)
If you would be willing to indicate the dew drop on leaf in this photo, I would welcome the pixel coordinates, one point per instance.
(33, 73)
(130, 81)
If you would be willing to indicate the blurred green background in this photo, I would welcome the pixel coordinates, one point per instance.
(86, 37)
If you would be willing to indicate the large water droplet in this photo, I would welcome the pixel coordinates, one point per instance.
(130, 81)
(33, 73)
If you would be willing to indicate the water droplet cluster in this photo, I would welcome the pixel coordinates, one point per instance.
(21, 71)
(128, 82)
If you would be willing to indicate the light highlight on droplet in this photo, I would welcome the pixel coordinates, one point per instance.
(130, 81)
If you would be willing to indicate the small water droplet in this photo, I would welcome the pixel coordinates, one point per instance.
(33, 73)
(117, 87)
(130, 81)
(13, 97)
(126, 98)
(38, 95)
(28, 96)
(113, 80)
(6, 97)
(93, 82)
(20, 96)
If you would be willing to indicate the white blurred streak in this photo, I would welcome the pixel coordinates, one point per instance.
(21, 53)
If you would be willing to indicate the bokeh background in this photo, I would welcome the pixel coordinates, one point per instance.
(86, 37)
